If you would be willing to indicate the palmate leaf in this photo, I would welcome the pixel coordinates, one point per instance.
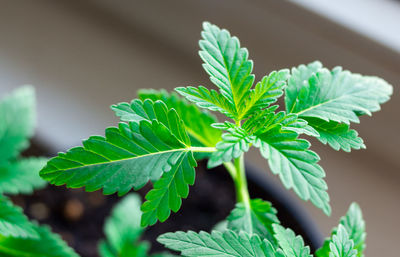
(128, 156)
(337, 135)
(21, 176)
(256, 220)
(354, 224)
(296, 165)
(228, 244)
(227, 64)
(197, 122)
(17, 116)
(292, 245)
(266, 92)
(131, 155)
(208, 99)
(13, 222)
(335, 95)
(341, 245)
(233, 144)
(47, 245)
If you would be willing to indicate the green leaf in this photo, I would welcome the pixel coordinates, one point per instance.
(122, 228)
(17, 116)
(354, 224)
(168, 191)
(148, 110)
(13, 222)
(337, 135)
(266, 92)
(296, 165)
(219, 244)
(299, 79)
(227, 64)
(342, 245)
(335, 95)
(292, 245)
(208, 99)
(128, 156)
(21, 176)
(47, 245)
(234, 143)
(256, 220)
(197, 121)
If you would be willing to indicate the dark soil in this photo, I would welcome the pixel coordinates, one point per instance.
(79, 216)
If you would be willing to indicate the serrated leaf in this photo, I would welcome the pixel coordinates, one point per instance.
(266, 92)
(228, 243)
(296, 165)
(168, 191)
(227, 64)
(234, 143)
(257, 219)
(17, 116)
(13, 222)
(292, 245)
(299, 79)
(21, 176)
(337, 135)
(337, 95)
(47, 245)
(128, 156)
(354, 224)
(197, 121)
(208, 99)
(341, 245)
(149, 111)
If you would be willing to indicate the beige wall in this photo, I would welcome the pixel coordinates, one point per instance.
(85, 55)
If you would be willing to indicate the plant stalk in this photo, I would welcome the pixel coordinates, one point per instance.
(242, 192)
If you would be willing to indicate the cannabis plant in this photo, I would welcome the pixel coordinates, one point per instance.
(162, 136)
(18, 236)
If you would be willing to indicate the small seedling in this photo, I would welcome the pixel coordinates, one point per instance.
(162, 136)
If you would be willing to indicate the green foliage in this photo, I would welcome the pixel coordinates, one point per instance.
(168, 191)
(197, 121)
(13, 222)
(123, 231)
(292, 245)
(330, 100)
(154, 144)
(258, 220)
(18, 119)
(220, 244)
(337, 135)
(296, 165)
(19, 236)
(21, 176)
(46, 245)
(234, 143)
(228, 65)
(266, 92)
(354, 225)
(161, 135)
(208, 99)
(341, 245)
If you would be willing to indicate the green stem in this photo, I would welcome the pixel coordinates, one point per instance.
(242, 192)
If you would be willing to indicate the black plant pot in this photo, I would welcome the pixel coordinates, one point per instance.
(79, 216)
